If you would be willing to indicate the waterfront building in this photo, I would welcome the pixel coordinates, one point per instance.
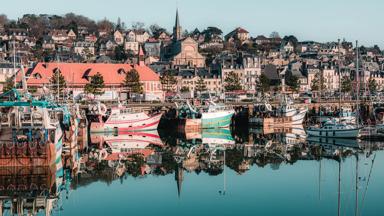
(190, 77)
(77, 75)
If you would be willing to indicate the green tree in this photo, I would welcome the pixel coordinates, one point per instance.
(263, 85)
(317, 83)
(9, 84)
(96, 85)
(346, 84)
(184, 89)
(293, 82)
(168, 81)
(134, 164)
(372, 85)
(132, 82)
(120, 54)
(200, 85)
(232, 82)
(57, 82)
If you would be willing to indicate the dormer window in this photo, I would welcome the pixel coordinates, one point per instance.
(121, 71)
(86, 74)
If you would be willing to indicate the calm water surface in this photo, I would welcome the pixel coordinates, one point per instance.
(222, 172)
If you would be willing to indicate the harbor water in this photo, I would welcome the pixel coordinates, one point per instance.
(208, 172)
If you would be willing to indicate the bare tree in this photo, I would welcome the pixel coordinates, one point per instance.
(138, 25)
(274, 34)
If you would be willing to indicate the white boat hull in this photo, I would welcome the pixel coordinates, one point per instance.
(135, 124)
(337, 133)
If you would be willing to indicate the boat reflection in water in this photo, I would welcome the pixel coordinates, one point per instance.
(31, 190)
(189, 157)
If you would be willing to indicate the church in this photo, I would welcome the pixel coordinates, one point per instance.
(182, 51)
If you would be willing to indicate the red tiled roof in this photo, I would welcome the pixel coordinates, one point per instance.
(241, 30)
(76, 73)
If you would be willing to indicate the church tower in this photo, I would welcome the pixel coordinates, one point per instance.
(177, 28)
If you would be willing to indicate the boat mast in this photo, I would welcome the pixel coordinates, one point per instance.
(339, 71)
(58, 82)
(321, 149)
(356, 187)
(338, 195)
(358, 85)
(14, 60)
(225, 182)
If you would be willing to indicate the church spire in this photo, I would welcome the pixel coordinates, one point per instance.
(177, 22)
(177, 28)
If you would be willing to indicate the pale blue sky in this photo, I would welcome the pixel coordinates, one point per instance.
(321, 20)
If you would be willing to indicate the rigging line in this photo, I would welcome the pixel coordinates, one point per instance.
(369, 177)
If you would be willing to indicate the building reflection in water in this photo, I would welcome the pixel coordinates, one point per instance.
(111, 157)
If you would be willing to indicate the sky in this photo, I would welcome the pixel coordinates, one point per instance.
(318, 20)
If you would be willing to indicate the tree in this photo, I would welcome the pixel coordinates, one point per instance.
(9, 84)
(372, 85)
(346, 84)
(105, 25)
(264, 84)
(232, 82)
(317, 83)
(73, 26)
(57, 82)
(156, 30)
(134, 164)
(96, 85)
(292, 81)
(138, 25)
(274, 35)
(184, 89)
(168, 81)
(210, 32)
(200, 85)
(293, 41)
(185, 33)
(132, 82)
(120, 54)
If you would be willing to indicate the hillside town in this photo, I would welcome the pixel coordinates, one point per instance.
(146, 120)
(170, 63)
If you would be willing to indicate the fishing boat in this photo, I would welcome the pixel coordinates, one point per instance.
(123, 119)
(285, 115)
(211, 116)
(30, 130)
(334, 129)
